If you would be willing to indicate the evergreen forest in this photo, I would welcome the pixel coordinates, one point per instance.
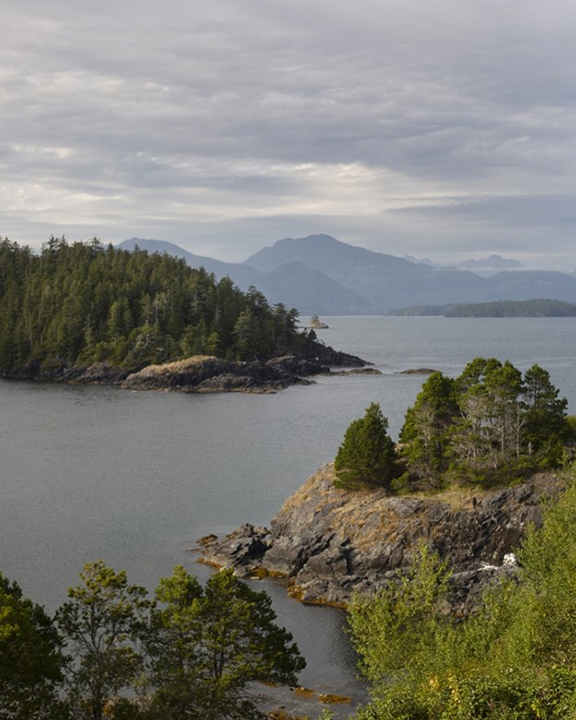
(497, 309)
(82, 303)
(492, 425)
(514, 308)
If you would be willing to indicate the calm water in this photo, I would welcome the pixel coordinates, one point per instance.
(135, 478)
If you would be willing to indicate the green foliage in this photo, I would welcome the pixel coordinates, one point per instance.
(102, 622)
(367, 456)
(75, 304)
(391, 629)
(207, 645)
(514, 659)
(424, 435)
(30, 659)
(491, 425)
(193, 653)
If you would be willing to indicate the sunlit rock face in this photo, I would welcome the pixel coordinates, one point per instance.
(330, 542)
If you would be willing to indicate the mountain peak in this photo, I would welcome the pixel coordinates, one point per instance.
(492, 262)
(316, 239)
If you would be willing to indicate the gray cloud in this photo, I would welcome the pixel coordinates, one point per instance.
(435, 127)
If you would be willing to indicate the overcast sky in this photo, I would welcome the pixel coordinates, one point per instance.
(439, 128)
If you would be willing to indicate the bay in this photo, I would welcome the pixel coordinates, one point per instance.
(135, 478)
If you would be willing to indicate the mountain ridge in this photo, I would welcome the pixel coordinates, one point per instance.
(322, 274)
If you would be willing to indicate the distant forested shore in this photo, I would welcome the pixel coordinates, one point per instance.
(498, 308)
(77, 304)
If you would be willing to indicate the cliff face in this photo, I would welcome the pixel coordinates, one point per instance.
(330, 542)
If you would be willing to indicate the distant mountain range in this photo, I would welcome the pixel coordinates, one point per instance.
(322, 275)
(493, 262)
(484, 267)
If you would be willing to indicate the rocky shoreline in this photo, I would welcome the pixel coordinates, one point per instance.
(201, 373)
(328, 543)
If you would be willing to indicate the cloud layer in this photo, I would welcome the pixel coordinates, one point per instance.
(426, 127)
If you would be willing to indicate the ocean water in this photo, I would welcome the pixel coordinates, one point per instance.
(136, 477)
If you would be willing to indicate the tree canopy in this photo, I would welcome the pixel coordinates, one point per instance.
(490, 424)
(208, 644)
(81, 303)
(102, 624)
(367, 456)
(109, 652)
(31, 660)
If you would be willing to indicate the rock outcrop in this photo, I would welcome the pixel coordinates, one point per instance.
(206, 373)
(330, 542)
(200, 373)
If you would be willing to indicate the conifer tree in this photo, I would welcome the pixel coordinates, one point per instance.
(367, 456)
(31, 661)
(209, 645)
(424, 435)
(101, 623)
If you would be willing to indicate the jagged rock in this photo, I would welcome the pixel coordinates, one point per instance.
(334, 358)
(200, 373)
(292, 365)
(331, 542)
(205, 373)
(416, 371)
(101, 373)
(357, 371)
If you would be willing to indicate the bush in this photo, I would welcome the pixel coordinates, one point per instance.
(514, 659)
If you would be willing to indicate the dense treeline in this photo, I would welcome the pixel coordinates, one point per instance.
(490, 425)
(109, 651)
(419, 310)
(80, 303)
(515, 659)
(498, 308)
(514, 308)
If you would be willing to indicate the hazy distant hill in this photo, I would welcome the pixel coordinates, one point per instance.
(495, 309)
(312, 292)
(421, 261)
(295, 284)
(320, 274)
(386, 281)
(493, 262)
(514, 308)
(530, 284)
(420, 311)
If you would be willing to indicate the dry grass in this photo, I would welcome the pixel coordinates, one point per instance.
(176, 366)
(458, 498)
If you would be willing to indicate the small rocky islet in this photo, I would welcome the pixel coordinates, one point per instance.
(207, 373)
(328, 543)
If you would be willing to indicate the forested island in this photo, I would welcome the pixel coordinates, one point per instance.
(498, 308)
(85, 312)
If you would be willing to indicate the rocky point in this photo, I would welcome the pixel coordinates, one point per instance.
(329, 543)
